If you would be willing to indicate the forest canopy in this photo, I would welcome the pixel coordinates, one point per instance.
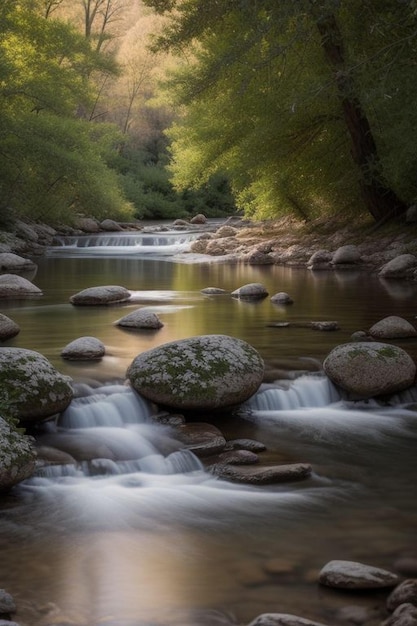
(270, 107)
(79, 134)
(52, 159)
(308, 106)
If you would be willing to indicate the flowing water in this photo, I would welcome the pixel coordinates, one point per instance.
(143, 535)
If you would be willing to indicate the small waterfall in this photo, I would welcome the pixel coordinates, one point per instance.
(306, 391)
(157, 244)
(111, 432)
(110, 407)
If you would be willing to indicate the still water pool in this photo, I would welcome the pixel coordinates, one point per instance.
(162, 542)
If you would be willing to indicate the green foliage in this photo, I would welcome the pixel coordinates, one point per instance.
(53, 163)
(147, 185)
(262, 104)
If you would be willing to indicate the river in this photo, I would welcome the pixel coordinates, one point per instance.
(161, 542)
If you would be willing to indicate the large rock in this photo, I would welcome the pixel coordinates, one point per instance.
(84, 349)
(392, 327)
(13, 286)
(353, 575)
(368, 369)
(107, 294)
(17, 456)
(203, 372)
(8, 328)
(30, 386)
(13, 263)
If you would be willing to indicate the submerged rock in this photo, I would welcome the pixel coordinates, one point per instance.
(84, 349)
(282, 619)
(203, 372)
(108, 294)
(30, 386)
(251, 291)
(353, 575)
(201, 439)
(213, 291)
(246, 444)
(282, 298)
(263, 475)
(368, 369)
(140, 318)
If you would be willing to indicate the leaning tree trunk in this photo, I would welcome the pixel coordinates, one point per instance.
(381, 201)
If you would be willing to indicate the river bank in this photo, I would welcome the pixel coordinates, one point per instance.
(284, 241)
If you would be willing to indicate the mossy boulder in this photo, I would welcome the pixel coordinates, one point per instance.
(200, 373)
(369, 369)
(31, 389)
(17, 456)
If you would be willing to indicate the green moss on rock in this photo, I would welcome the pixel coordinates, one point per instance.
(30, 386)
(207, 371)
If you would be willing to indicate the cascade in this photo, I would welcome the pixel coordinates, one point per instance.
(305, 391)
(125, 243)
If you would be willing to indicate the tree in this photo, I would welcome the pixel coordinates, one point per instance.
(52, 164)
(296, 101)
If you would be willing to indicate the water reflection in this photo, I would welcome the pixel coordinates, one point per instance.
(174, 548)
(354, 300)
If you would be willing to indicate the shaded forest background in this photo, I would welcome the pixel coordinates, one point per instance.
(166, 108)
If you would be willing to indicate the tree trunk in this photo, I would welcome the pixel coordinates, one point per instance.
(381, 201)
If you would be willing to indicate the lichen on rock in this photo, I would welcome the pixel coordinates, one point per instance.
(203, 372)
(31, 388)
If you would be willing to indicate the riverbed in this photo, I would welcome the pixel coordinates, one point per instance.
(164, 542)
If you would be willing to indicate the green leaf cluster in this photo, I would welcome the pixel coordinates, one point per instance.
(261, 103)
(53, 162)
(147, 184)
